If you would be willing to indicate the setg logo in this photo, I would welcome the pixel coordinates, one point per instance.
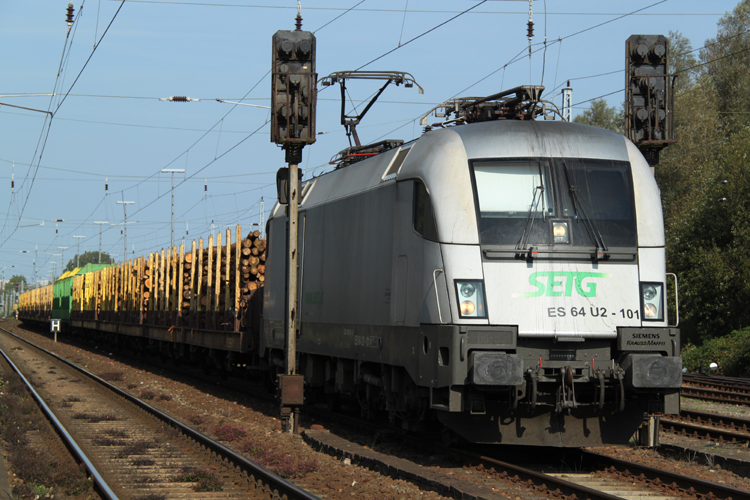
(557, 283)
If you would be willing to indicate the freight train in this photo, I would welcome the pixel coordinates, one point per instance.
(500, 276)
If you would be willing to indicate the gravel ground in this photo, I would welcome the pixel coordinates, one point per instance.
(214, 408)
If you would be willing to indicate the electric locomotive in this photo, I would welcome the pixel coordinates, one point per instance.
(502, 275)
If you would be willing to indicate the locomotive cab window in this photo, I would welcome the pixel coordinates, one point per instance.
(554, 202)
(423, 216)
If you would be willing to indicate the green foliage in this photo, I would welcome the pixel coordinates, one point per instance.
(88, 257)
(17, 279)
(710, 251)
(600, 115)
(705, 177)
(731, 352)
(682, 61)
(727, 59)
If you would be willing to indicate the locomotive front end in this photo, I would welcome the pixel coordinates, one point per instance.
(553, 256)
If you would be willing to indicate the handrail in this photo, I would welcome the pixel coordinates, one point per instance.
(437, 296)
(676, 302)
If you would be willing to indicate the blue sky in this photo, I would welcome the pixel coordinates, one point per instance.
(110, 127)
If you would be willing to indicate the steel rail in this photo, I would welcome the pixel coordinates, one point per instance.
(101, 484)
(282, 486)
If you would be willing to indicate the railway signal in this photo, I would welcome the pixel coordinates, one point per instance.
(293, 99)
(293, 91)
(648, 95)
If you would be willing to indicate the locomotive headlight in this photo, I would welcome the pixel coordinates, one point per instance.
(467, 308)
(560, 232)
(467, 290)
(472, 303)
(652, 301)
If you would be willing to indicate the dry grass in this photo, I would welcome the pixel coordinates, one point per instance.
(206, 480)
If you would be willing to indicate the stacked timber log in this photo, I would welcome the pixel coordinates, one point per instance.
(147, 282)
(253, 269)
(187, 280)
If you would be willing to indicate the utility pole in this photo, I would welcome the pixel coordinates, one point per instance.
(173, 171)
(262, 217)
(54, 267)
(36, 248)
(125, 228)
(78, 250)
(62, 258)
(100, 238)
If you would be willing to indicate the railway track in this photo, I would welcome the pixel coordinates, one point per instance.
(597, 481)
(582, 474)
(721, 428)
(717, 389)
(716, 395)
(572, 472)
(130, 448)
(741, 385)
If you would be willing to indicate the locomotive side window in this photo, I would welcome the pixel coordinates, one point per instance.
(517, 201)
(423, 217)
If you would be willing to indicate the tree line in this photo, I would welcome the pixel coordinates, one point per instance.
(705, 178)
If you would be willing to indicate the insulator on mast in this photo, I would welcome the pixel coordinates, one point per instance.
(106, 184)
(69, 17)
(298, 21)
(530, 27)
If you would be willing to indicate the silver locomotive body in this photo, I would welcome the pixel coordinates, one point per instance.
(506, 276)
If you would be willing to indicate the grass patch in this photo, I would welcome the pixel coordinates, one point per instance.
(229, 433)
(196, 419)
(112, 376)
(142, 461)
(148, 395)
(93, 418)
(152, 496)
(109, 441)
(206, 480)
(132, 386)
(165, 397)
(139, 447)
(114, 433)
(283, 465)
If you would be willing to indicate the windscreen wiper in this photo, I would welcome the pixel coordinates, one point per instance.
(521, 245)
(578, 206)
